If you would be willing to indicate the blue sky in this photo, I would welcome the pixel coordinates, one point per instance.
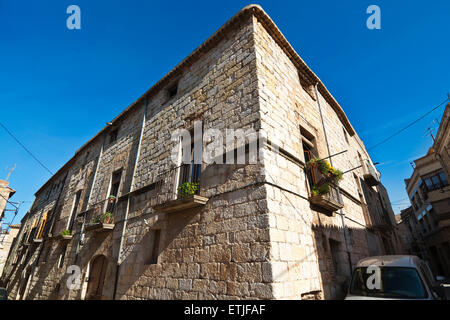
(59, 87)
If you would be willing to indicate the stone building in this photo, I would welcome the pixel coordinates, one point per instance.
(410, 233)
(442, 141)
(7, 237)
(429, 192)
(253, 230)
(5, 193)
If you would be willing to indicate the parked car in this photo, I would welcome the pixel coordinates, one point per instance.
(3, 294)
(399, 278)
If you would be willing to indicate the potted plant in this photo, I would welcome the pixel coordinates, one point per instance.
(187, 189)
(107, 217)
(66, 233)
(103, 218)
(320, 190)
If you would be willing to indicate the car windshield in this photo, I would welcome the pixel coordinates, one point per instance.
(395, 282)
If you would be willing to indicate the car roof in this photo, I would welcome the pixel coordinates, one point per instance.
(391, 261)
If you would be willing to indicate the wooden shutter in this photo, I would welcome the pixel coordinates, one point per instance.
(42, 226)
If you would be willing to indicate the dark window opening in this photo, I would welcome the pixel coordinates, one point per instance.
(172, 91)
(113, 135)
(309, 153)
(334, 248)
(190, 172)
(62, 257)
(345, 135)
(115, 183)
(156, 237)
(75, 209)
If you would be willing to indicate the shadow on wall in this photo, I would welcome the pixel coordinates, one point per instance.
(139, 272)
(335, 262)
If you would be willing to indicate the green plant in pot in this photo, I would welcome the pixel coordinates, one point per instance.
(187, 189)
(66, 233)
(103, 218)
(331, 176)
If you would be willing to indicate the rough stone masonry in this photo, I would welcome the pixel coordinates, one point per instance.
(250, 231)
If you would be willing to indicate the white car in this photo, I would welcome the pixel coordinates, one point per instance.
(393, 278)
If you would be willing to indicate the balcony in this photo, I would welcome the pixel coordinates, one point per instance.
(370, 173)
(179, 189)
(99, 217)
(328, 200)
(64, 237)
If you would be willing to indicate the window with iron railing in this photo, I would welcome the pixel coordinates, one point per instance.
(190, 172)
(314, 176)
(436, 181)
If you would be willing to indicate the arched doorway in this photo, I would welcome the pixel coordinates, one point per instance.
(97, 273)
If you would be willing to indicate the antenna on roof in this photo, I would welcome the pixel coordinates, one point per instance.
(10, 171)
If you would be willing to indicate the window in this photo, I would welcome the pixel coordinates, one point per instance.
(345, 134)
(191, 171)
(62, 257)
(113, 135)
(334, 248)
(307, 85)
(74, 210)
(155, 241)
(309, 153)
(115, 183)
(435, 181)
(32, 233)
(40, 231)
(172, 91)
(47, 253)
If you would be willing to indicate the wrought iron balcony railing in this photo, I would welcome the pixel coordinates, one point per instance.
(100, 216)
(331, 200)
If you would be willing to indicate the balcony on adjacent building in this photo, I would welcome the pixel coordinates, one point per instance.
(370, 173)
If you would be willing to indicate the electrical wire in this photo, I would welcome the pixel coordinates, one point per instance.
(409, 125)
(26, 149)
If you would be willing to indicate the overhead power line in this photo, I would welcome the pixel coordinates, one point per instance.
(409, 125)
(26, 149)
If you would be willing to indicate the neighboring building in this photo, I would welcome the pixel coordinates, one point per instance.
(5, 193)
(429, 193)
(7, 237)
(410, 233)
(442, 142)
(251, 230)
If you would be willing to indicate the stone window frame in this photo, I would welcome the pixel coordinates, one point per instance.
(155, 244)
(113, 135)
(172, 90)
(306, 84)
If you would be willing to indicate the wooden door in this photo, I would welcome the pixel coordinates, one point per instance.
(96, 280)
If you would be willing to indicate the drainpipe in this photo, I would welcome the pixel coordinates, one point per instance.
(341, 212)
(122, 236)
